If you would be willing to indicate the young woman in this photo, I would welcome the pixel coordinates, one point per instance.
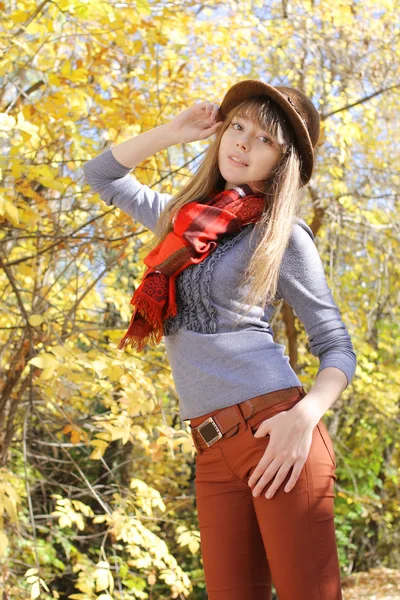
(228, 245)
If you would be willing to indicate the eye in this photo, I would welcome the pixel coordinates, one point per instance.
(263, 136)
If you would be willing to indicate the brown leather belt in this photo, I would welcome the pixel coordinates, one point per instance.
(213, 428)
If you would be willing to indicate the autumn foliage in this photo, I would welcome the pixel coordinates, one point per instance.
(97, 495)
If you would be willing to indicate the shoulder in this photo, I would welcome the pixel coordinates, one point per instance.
(301, 254)
(301, 240)
(301, 226)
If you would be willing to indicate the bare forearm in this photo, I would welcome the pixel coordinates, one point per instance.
(135, 150)
(328, 386)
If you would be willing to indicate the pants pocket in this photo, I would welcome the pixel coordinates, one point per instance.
(327, 441)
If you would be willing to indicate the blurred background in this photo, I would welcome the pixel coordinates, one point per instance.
(97, 495)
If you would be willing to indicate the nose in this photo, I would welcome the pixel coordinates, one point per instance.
(242, 144)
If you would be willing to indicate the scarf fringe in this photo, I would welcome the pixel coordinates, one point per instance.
(148, 308)
(171, 311)
(141, 331)
(138, 343)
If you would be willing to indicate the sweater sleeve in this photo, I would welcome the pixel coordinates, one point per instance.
(117, 187)
(302, 283)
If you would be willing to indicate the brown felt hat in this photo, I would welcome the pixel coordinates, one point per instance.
(300, 111)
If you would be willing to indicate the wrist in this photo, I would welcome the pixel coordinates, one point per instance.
(169, 134)
(308, 411)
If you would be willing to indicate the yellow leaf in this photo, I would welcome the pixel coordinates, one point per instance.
(35, 320)
(12, 492)
(35, 590)
(18, 16)
(64, 521)
(26, 126)
(27, 271)
(143, 7)
(59, 351)
(99, 443)
(75, 436)
(56, 82)
(101, 576)
(98, 453)
(9, 211)
(7, 122)
(43, 361)
(99, 519)
(80, 522)
(11, 508)
(31, 571)
(78, 75)
(99, 366)
(47, 374)
(3, 543)
(83, 508)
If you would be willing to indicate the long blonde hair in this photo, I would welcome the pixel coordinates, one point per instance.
(282, 190)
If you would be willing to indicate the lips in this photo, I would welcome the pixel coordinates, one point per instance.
(243, 163)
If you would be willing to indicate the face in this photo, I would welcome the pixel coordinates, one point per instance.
(253, 146)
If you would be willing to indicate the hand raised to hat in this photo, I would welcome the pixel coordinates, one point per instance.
(197, 122)
(288, 448)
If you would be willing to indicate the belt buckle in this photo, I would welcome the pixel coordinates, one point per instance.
(210, 427)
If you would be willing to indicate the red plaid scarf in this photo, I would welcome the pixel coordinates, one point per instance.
(197, 230)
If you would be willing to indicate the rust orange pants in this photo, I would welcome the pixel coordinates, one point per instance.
(249, 542)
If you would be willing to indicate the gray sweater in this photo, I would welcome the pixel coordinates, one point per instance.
(213, 364)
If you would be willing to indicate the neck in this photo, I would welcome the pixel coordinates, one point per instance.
(249, 187)
(246, 187)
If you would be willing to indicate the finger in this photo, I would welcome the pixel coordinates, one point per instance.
(213, 129)
(203, 103)
(294, 477)
(215, 111)
(266, 476)
(265, 462)
(209, 107)
(263, 429)
(209, 131)
(204, 108)
(279, 478)
(260, 469)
